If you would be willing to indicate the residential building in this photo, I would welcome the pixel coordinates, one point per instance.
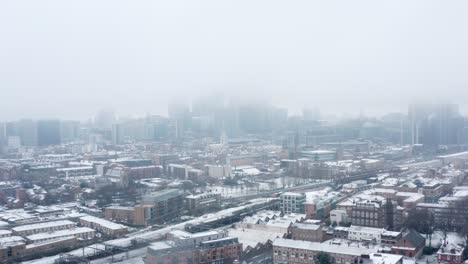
(26, 230)
(292, 202)
(298, 252)
(83, 233)
(104, 226)
(450, 253)
(200, 202)
(411, 244)
(183, 247)
(165, 205)
(307, 232)
(48, 132)
(11, 247)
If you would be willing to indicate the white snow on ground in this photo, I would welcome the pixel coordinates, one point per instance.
(438, 238)
(137, 260)
(251, 237)
(152, 235)
(436, 241)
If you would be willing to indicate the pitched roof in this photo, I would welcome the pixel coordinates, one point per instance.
(414, 237)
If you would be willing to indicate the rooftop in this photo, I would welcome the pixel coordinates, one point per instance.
(161, 195)
(327, 247)
(42, 225)
(60, 233)
(103, 222)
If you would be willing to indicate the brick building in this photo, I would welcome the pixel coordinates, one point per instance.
(299, 252)
(307, 232)
(157, 207)
(104, 226)
(206, 247)
(202, 201)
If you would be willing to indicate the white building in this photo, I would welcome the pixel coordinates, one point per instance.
(182, 237)
(104, 226)
(75, 171)
(26, 230)
(79, 233)
(292, 202)
(338, 216)
(219, 171)
(5, 233)
(14, 142)
(362, 233)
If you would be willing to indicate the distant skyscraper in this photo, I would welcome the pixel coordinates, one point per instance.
(14, 142)
(223, 140)
(27, 130)
(117, 134)
(435, 124)
(179, 113)
(3, 137)
(48, 132)
(311, 114)
(104, 119)
(11, 129)
(254, 117)
(69, 130)
(3, 133)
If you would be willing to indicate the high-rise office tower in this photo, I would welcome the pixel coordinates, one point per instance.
(48, 132)
(27, 131)
(117, 134)
(179, 113)
(435, 124)
(69, 130)
(104, 119)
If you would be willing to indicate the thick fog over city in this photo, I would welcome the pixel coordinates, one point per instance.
(344, 57)
(218, 131)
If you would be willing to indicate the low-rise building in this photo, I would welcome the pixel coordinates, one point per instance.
(50, 245)
(5, 233)
(338, 217)
(205, 247)
(104, 226)
(411, 244)
(298, 252)
(156, 207)
(75, 171)
(219, 171)
(182, 171)
(83, 233)
(307, 232)
(165, 205)
(368, 234)
(292, 202)
(26, 230)
(11, 247)
(450, 253)
(120, 214)
(199, 202)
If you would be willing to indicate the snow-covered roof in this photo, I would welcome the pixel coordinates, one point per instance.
(42, 225)
(327, 247)
(60, 233)
(103, 222)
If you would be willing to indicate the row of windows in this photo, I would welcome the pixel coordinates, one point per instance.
(365, 214)
(365, 222)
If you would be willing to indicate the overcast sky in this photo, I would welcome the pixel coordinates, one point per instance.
(67, 59)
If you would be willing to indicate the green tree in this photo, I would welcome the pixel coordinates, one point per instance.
(322, 258)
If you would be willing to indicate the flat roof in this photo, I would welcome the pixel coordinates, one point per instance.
(325, 247)
(42, 225)
(103, 222)
(60, 233)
